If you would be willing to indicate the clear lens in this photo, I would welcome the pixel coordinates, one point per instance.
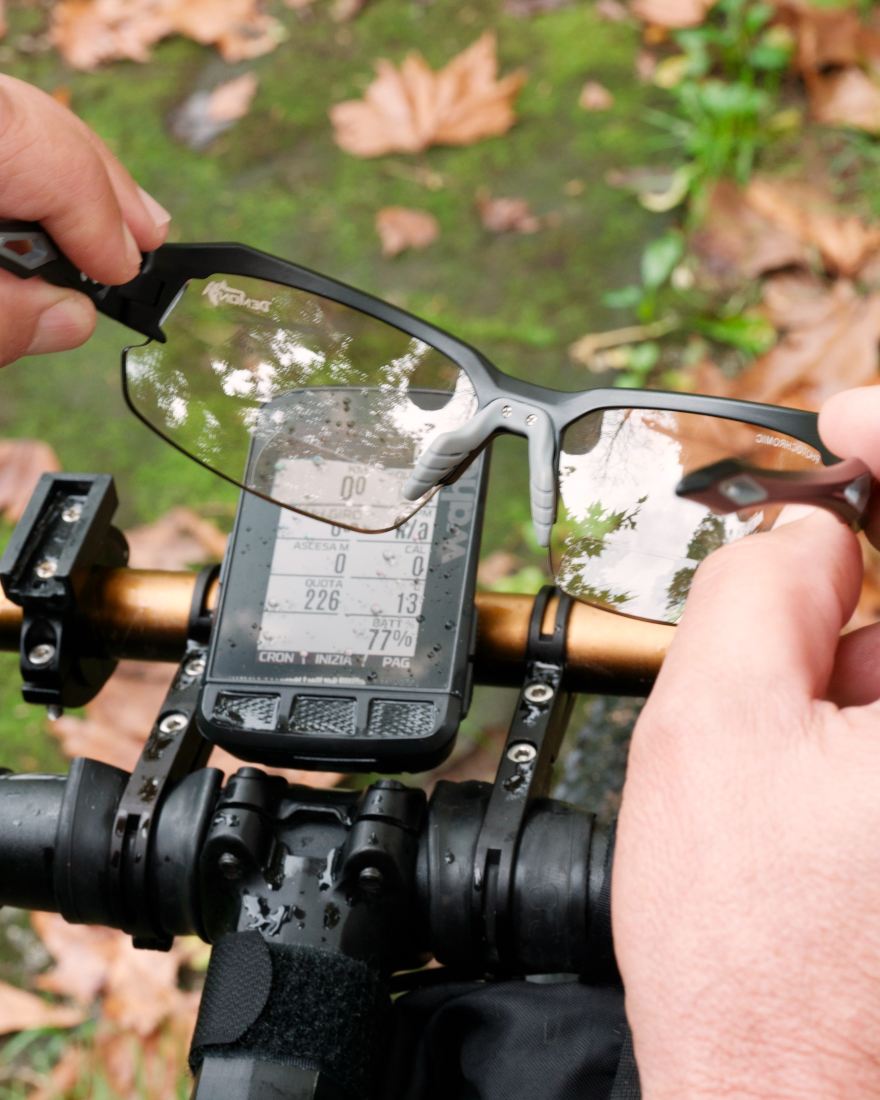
(311, 403)
(624, 540)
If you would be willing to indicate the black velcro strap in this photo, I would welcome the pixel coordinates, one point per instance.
(298, 1005)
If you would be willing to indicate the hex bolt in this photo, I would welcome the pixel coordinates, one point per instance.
(72, 513)
(230, 866)
(195, 666)
(173, 722)
(41, 654)
(538, 692)
(522, 752)
(46, 568)
(371, 879)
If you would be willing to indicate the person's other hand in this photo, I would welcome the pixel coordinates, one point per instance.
(56, 171)
(746, 889)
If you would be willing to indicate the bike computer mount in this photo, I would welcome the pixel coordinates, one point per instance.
(341, 650)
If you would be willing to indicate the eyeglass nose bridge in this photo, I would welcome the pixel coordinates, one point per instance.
(449, 450)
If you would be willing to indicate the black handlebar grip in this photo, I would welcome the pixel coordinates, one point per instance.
(30, 806)
(288, 1021)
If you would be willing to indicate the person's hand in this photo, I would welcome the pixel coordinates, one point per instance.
(55, 170)
(746, 888)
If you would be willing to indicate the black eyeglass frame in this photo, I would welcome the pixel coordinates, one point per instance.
(143, 303)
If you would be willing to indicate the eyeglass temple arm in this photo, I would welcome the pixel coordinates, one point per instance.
(450, 450)
(26, 250)
(730, 485)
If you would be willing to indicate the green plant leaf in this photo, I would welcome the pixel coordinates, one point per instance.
(748, 332)
(624, 298)
(660, 259)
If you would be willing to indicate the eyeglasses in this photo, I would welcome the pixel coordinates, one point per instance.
(344, 408)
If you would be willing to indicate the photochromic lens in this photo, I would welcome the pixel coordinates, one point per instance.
(308, 402)
(624, 540)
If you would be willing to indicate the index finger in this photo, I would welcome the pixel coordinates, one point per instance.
(51, 173)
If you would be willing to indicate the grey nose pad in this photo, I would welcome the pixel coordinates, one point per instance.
(449, 451)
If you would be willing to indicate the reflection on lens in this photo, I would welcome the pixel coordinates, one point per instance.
(289, 394)
(624, 540)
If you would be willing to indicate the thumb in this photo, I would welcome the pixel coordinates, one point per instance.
(849, 425)
(37, 318)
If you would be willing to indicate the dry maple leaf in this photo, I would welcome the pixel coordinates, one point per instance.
(506, 215)
(672, 13)
(89, 32)
(830, 342)
(408, 109)
(22, 461)
(22, 1011)
(238, 28)
(595, 97)
(400, 228)
(847, 98)
(845, 241)
(735, 241)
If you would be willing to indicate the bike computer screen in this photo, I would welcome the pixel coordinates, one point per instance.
(338, 649)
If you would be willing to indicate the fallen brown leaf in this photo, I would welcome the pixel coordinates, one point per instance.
(238, 28)
(408, 109)
(830, 341)
(205, 115)
(847, 98)
(672, 13)
(22, 1011)
(177, 540)
(22, 461)
(645, 65)
(506, 215)
(595, 97)
(146, 1018)
(3, 27)
(612, 11)
(735, 241)
(845, 241)
(90, 32)
(401, 228)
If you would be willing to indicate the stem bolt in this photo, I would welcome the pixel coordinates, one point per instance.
(72, 513)
(538, 692)
(173, 722)
(41, 654)
(371, 879)
(195, 666)
(46, 568)
(230, 866)
(522, 752)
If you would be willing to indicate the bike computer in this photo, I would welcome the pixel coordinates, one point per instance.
(336, 649)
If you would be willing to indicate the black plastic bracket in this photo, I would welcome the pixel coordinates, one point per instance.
(46, 569)
(524, 773)
(173, 750)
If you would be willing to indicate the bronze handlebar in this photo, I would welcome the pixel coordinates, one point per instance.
(143, 614)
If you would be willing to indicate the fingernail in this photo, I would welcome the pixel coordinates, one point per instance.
(66, 324)
(132, 252)
(158, 214)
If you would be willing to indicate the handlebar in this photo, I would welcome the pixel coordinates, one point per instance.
(143, 614)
